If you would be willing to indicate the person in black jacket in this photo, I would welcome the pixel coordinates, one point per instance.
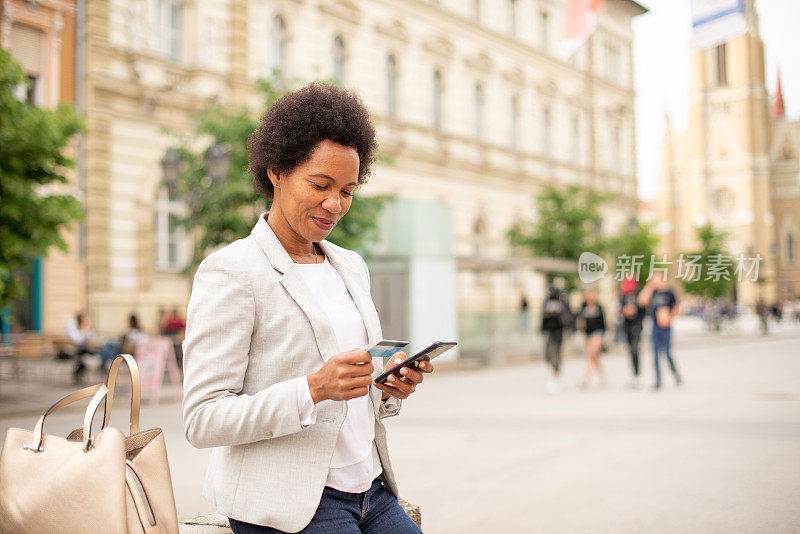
(594, 324)
(553, 314)
(632, 316)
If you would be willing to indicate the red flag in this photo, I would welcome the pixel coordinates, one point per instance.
(580, 19)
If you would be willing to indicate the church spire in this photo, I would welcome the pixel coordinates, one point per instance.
(777, 105)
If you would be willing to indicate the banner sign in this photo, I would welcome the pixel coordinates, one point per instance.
(716, 21)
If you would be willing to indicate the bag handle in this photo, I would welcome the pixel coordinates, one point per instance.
(98, 392)
(136, 390)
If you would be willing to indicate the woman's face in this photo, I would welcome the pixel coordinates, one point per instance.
(317, 193)
(589, 296)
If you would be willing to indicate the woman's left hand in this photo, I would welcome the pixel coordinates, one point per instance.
(401, 388)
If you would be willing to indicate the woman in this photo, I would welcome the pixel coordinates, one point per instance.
(276, 375)
(594, 325)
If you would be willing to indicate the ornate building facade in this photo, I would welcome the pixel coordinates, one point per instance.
(470, 99)
(736, 167)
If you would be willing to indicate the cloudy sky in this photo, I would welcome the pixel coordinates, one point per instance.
(661, 70)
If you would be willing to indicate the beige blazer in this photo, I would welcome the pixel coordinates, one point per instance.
(253, 330)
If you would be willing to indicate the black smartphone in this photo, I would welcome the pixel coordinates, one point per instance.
(425, 354)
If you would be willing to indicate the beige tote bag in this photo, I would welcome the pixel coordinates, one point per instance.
(83, 484)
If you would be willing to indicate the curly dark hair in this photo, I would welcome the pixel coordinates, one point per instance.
(292, 128)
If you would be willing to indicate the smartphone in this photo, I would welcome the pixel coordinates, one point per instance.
(386, 348)
(426, 354)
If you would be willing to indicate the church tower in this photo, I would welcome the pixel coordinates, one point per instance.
(718, 170)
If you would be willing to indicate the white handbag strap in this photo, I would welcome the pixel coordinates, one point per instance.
(98, 392)
(136, 390)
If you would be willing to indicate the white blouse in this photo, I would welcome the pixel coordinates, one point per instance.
(355, 462)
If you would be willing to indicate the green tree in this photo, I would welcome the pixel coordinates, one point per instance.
(220, 211)
(637, 243)
(568, 223)
(716, 265)
(33, 210)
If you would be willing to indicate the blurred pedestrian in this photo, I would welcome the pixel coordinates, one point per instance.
(79, 330)
(133, 335)
(763, 316)
(663, 309)
(632, 315)
(162, 320)
(173, 324)
(777, 311)
(553, 331)
(125, 343)
(523, 312)
(594, 325)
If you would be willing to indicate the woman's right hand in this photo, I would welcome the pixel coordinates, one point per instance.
(344, 376)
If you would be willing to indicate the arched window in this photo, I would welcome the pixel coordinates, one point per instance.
(790, 251)
(391, 85)
(278, 44)
(478, 105)
(437, 99)
(338, 59)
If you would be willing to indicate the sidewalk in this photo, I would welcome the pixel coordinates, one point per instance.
(501, 454)
(32, 395)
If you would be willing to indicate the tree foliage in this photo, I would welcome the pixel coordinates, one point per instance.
(223, 211)
(568, 223)
(33, 211)
(715, 277)
(634, 242)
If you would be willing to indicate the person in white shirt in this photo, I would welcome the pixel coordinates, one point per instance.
(79, 330)
(265, 409)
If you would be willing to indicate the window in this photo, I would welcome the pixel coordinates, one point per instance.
(512, 16)
(478, 108)
(338, 59)
(576, 140)
(616, 148)
(278, 45)
(546, 127)
(789, 248)
(476, 10)
(28, 47)
(169, 235)
(168, 24)
(544, 23)
(514, 140)
(437, 99)
(722, 65)
(479, 236)
(391, 86)
(612, 62)
(30, 93)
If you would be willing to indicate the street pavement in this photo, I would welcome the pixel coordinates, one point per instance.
(489, 450)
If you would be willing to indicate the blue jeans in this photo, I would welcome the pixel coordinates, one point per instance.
(375, 511)
(661, 343)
